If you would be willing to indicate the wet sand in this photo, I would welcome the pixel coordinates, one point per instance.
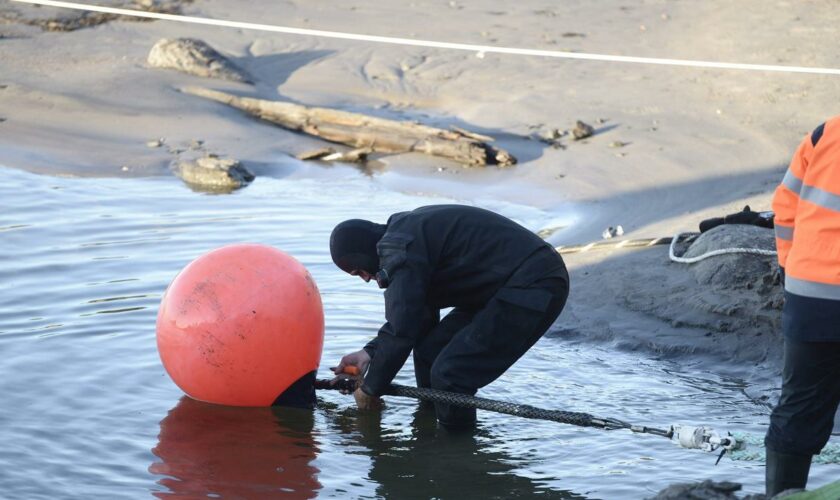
(672, 145)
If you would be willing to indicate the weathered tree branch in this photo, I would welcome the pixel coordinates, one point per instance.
(362, 131)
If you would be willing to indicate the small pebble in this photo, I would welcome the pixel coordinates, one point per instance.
(582, 130)
(617, 144)
(156, 143)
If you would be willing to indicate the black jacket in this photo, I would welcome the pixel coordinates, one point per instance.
(442, 256)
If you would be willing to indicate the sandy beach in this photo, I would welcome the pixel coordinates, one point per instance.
(694, 142)
(672, 145)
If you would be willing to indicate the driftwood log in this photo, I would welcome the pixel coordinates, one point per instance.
(365, 132)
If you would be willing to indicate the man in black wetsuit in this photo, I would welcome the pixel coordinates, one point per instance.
(505, 284)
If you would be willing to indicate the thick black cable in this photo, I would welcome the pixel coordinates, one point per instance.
(526, 411)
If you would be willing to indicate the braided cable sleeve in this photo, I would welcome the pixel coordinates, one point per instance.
(525, 411)
(519, 410)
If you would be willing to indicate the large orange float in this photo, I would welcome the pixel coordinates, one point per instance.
(239, 325)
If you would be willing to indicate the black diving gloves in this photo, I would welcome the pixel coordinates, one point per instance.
(745, 216)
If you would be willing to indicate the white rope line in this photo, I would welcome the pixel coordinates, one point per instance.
(482, 49)
(604, 245)
(722, 251)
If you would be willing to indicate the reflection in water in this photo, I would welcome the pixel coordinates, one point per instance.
(427, 461)
(218, 451)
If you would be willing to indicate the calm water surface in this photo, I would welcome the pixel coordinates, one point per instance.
(90, 413)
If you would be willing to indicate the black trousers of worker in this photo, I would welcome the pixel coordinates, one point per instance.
(802, 421)
(468, 349)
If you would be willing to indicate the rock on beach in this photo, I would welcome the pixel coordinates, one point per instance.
(212, 173)
(195, 57)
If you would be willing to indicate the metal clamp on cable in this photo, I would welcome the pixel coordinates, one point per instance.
(609, 423)
(704, 438)
(643, 429)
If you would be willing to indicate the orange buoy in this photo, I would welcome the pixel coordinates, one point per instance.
(239, 325)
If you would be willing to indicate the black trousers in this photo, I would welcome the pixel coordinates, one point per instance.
(802, 421)
(468, 349)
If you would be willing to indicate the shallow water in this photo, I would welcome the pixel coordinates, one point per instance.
(89, 411)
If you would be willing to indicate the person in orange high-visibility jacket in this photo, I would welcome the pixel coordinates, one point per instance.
(807, 225)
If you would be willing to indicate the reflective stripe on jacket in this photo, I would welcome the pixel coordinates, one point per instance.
(807, 221)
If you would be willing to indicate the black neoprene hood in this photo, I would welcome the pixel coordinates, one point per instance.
(353, 245)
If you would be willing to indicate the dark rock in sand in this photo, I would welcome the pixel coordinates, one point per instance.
(70, 20)
(213, 174)
(582, 130)
(707, 490)
(713, 490)
(195, 57)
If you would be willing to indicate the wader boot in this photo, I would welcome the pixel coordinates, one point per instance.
(784, 472)
(455, 418)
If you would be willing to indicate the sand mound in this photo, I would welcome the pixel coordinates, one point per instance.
(728, 306)
(736, 271)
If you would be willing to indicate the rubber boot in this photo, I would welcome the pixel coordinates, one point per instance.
(455, 418)
(785, 472)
